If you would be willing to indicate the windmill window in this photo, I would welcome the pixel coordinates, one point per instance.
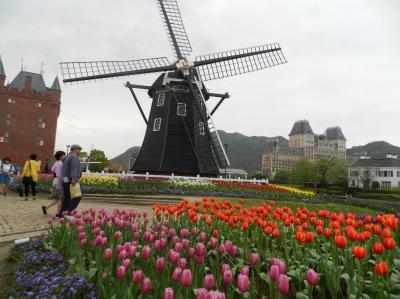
(201, 128)
(161, 99)
(157, 124)
(181, 109)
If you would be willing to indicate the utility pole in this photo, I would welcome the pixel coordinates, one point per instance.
(226, 151)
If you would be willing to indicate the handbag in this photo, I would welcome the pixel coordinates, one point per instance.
(75, 191)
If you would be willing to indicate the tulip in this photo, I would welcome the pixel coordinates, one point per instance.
(359, 252)
(185, 233)
(122, 255)
(378, 248)
(283, 284)
(160, 264)
(340, 241)
(224, 267)
(200, 249)
(227, 277)
(173, 256)
(245, 271)
(198, 259)
(168, 293)
(137, 276)
(202, 237)
(146, 286)
(243, 283)
(83, 241)
(121, 272)
(182, 263)
(312, 277)
(221, 249)
(253, 258)
(209, 281)
(201, 293)
(213, 243)
(117, 234)
(104, 241)
(186, 278)
(146, 251)
(274, 272)
(191, 252)
(381, 268)
(178, 247)
(176, 275)
(185, 243)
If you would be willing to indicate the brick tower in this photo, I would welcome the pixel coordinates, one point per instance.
(28, 116)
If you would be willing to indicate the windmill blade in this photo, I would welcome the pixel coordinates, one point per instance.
(93, 70)
(176, 31)
(236, 62)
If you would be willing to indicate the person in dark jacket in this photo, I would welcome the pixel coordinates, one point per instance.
(71, 173)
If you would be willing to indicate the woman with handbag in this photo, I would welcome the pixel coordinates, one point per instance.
(7, 170)
(57, 186)
(30, 175)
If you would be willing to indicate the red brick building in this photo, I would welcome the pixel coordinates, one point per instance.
(28, 116)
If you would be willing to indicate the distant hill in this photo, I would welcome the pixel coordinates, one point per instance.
(245, 152)
(376, 149)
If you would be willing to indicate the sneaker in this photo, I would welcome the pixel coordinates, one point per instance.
(44, 210)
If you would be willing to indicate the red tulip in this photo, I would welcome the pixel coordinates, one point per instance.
(378, 248)
(360, 252)
(340, 242)
(381, 268)
(389, 243)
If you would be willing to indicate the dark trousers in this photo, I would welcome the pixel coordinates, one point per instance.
(67, 203)
(31, 184)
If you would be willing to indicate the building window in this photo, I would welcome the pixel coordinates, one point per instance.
(353, 173)
(41, 123)
(398, 174)
(201, 128)
(39, 141)
(4, 138)
(157, 124)
(161, 99)
(8, 118)
(38, 104)
(386, 185)
(181, 109)
(11, 101)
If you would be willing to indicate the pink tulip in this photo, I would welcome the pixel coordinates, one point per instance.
(213, 242)
(173, 256)
(81, 228)
(157, 245)
(185, 233)
(121, 272)
(200, 249)
(186, 278)
(227, 277)
(243, 283)
(172, 232)
(122, 255)
(137, 276)
(194, 231)
(146, 251)
(168, 293)
(135, 226)
(160, 264)
(209, 281)
(202, 237)
(201, 294)
(176, 275)
(119, 248)
(146, 286)
(126, 263)
(274, 273)
(117, 234)
(83, 241)
(198, 259)
(221, 249)
(191, 252)
(164, 242)
(282, 267)
(283, 284)
(312, 277)
(108, 254)
(178, 247)
(185, 243)
(219, 295)
(253, 258)
(82, 235)
(182, 263)
(104, 241)
(224, 267)
(245, 271)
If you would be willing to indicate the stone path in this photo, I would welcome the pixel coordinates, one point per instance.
(20, 219)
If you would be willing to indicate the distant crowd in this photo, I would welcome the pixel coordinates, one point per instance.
(66, 170)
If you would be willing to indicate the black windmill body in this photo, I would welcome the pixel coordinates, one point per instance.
(180, 137)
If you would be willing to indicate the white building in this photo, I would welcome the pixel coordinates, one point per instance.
(366, 171)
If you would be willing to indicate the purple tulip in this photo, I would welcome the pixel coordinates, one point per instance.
(283, 284)
(312, 277)
(209, 281)
(168, 293)
(186, 278)
(160, 264)
(137, 276)
(146, 286)
(227, 277)
(253, 258)
(243, 283)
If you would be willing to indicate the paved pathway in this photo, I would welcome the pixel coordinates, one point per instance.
(19, 218)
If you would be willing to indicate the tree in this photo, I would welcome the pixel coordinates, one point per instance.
(321, 170)
(98, 156)
(365, 177)
(337, 174)
(282, 176)
(303, 172)
(258, 176)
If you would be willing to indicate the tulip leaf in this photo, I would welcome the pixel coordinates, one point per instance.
(300, 295)
(392, 296)
(396, 262)
(264, 276)
(395, 288)
(92, 272)
(72, 261)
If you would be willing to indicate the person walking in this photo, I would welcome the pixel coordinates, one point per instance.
(71, 173)
(7, 170)
(30, 176)
(57, 186)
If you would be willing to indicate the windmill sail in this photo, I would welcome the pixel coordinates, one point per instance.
(176, 31)
(236, 62)
(93, 70)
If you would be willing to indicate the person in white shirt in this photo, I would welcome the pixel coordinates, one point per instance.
(7, 170)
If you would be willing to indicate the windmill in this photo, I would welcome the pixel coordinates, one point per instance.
(180, 137)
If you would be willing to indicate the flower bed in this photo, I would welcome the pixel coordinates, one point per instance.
(41, 273)
(211, 249)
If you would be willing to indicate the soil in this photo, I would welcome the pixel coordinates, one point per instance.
(5, 269)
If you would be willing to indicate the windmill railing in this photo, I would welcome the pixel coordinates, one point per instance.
(172, 176)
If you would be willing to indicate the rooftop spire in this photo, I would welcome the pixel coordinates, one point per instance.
(56, 84)
(2, 71)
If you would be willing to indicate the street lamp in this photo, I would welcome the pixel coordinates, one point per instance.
(226, 152)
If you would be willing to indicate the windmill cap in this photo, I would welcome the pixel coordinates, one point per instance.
(75, 146)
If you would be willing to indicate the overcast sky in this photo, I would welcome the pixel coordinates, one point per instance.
(343, 63)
